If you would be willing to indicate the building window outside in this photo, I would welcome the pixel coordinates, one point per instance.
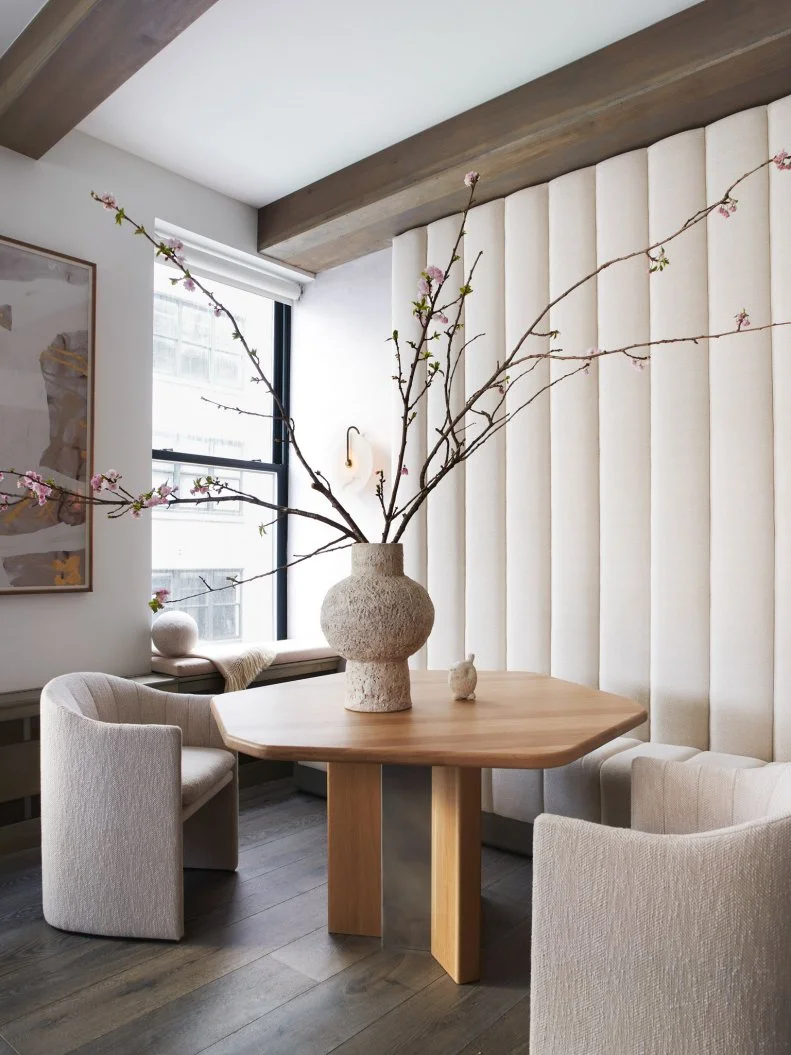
(197, 365)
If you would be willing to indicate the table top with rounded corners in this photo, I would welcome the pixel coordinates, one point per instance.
(517, 721)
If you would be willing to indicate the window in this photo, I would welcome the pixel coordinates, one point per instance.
(218, 615)
(211, 419)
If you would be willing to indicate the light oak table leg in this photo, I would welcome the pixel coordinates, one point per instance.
(354, 852)
(456, 871)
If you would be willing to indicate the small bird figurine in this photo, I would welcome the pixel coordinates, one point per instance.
(462, 678)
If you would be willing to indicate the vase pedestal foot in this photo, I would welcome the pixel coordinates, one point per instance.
(377, 687)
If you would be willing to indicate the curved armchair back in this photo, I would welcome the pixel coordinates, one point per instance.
(105, 698)
(681, 798)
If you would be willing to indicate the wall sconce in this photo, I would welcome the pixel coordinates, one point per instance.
(358, 464)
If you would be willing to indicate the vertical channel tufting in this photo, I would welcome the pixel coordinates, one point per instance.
(445, 511)
(527, 465)
(624, 430)
(520, 794)
(409, 259)
(485, 483)
(742, 511)
(574, 433)
(680, 514)
(637, 534)
(780, 241)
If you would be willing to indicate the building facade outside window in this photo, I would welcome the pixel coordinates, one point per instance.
(210, 418)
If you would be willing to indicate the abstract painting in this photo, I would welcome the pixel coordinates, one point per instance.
(47, 311)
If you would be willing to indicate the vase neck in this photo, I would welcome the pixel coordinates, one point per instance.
(380, 558)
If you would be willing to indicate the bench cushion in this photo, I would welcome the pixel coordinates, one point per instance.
(286, 652)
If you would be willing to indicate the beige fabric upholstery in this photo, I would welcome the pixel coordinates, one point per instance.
(575, 790)
(667, 943)
(669, 799)
(635, 533)
(285, 652)
(616, 778)
(115, 833)
(203, 768)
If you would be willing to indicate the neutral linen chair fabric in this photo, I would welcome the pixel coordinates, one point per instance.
(673, 939)
(135, 786)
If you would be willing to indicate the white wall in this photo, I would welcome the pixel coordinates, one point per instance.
(340, 370)
(48, 203)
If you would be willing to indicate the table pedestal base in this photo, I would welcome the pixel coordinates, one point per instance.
(405, 858)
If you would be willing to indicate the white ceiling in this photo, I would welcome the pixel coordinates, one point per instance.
(258, 99)
(14, 16)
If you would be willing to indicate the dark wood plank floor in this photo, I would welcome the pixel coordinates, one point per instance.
(257, 972)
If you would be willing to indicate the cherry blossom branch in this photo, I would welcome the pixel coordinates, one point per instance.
(329, 547)
(210, 492)
(240, 410)
(430, 287)
(173, 250)
(499, 379)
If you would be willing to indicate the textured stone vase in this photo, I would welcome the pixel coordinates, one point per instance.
(376, 619)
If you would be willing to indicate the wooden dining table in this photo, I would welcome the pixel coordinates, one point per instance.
(404, 788)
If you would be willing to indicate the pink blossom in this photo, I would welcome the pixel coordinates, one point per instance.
(111, 478)
(435, 274)
(189, 285)
(161, 595)
(3, 503)
(404, 471)
(443, 319)
(742, 319)
(217, 311)
(36, 485)
(423, 287)
(471, 179)
(165, 490)
(727, 207)
(2, 476)
(136, 513)
(97, 482)
(175, 244)
(108, 201)
(782, 160)
(199, 489)
(153, 500)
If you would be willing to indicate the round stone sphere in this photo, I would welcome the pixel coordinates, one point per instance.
(174, 633)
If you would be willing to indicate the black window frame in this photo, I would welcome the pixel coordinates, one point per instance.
(281, 382)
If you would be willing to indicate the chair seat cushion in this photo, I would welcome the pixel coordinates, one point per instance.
(201, 769)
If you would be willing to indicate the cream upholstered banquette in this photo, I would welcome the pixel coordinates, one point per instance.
(632, 528)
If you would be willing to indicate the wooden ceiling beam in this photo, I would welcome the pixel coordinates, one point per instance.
(73, 55)
(693, 68)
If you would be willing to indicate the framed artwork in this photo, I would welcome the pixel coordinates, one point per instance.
(47, 321)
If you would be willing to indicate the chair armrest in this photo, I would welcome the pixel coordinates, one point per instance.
(638, 937)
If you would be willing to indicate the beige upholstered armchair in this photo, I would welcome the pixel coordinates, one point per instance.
(135, 785)
(674, 938)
